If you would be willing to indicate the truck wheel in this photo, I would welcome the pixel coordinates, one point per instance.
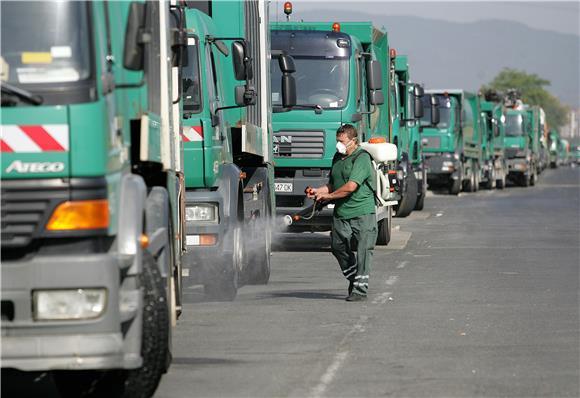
(407, 204)
(224, 286)
(491, 183)
(136, 383)
(259, 232)
(500, 182)
(384, 229)
(455, 186)
(525, 181)
(420, 202)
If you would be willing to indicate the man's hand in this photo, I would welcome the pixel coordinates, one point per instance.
(312, 193)
(323, 197)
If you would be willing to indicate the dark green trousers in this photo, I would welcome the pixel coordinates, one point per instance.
(355, 268)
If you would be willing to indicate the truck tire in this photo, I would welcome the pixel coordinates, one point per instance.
(455, 186)
(407, 204)
(135, 383)
(384, 229)
(491, 180)
(420, 202)
(257, 264)
(500, 182)
(224, 286)
(525, 180)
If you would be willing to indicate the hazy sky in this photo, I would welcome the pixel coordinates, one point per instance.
(559, 16)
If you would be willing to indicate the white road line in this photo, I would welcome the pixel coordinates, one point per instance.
(402, 265)
(338, 360)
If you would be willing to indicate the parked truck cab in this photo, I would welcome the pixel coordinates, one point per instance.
(92, 190)
(406, 108)
(341, 77)
(452, 147)
(493, 164)
(227, 144)
(519, 146)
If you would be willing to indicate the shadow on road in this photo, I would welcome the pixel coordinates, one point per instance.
(298, 242)
(307, 295)
(204, 361)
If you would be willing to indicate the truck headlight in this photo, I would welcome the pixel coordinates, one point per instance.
(73, 304)
(206, 212)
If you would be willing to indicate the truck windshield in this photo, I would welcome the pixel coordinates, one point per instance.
(514, 125)
(319, 81)
(191, 81)
(444, 111)
(54, 46)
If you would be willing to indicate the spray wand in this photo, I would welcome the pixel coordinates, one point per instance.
(307, 213)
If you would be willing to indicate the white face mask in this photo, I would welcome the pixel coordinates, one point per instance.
(341, 148)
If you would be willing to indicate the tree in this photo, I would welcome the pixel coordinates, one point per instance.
(532, 90)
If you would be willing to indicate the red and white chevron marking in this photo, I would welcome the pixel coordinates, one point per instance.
(34, 138)
(192, 133)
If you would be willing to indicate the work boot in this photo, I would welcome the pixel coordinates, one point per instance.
(356, 297)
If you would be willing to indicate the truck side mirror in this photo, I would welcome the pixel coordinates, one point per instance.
(133, 51)
(435, 117)
(376, 97)
(374, 75)
(418, 90)
(286, 63)
(288, 91)
(287, 67)
(242, 65)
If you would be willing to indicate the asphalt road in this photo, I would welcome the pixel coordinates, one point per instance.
(476, 296)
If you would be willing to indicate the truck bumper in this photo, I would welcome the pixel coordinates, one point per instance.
(30, 345)
(517, 167)
(441, 169)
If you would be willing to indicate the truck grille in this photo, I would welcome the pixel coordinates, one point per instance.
(27, 205)
(299, 144)
(23, 210)
(511, 152)
(433, 143)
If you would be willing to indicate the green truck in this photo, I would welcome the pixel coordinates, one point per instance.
(406, 111)
(452, 146)
(227, 141)
(521, 143)
(341, 77)
(553, 148)
(92, 191)
(494, 168)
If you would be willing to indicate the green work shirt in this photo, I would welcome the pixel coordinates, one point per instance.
(362, 200)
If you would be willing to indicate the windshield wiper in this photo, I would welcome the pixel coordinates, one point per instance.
(317, 108)
(27, 96)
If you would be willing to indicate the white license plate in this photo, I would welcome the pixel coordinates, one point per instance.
(283, 187)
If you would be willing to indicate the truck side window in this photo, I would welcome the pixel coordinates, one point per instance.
(191, 81)
(152, 61)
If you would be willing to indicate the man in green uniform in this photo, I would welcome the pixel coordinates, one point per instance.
(350, 187)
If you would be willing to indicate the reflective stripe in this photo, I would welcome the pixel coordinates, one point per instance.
(361, 277)
(348, 269)
(350, 274)
(361, 284)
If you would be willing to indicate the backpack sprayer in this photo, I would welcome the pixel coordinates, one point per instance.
(305, 214)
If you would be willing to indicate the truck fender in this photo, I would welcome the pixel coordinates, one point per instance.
(259, 175)
(130, 219)
(229, 185)
(157, 222)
